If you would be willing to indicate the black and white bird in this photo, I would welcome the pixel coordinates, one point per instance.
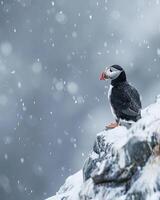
(124, 99)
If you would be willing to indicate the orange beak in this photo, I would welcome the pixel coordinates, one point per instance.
(103, 76)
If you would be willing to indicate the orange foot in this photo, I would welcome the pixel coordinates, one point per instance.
(112, 125)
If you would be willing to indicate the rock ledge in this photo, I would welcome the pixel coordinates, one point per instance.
(123, 165)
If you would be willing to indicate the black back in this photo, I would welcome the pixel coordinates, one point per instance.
(125, 101)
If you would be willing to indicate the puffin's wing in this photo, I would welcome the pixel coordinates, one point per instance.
(128, 111)
(126, 101)
(133, 105)
(134, 94)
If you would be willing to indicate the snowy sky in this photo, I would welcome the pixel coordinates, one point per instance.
(52, 103)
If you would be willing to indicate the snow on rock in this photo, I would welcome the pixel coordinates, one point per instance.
(124, 164)
(70, 190)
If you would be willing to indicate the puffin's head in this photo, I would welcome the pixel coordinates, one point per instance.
(113, 72)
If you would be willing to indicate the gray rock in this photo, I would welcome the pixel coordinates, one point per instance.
(137, 152)
(136, 196)
(124, 164)
(89, 167)
(104, 152)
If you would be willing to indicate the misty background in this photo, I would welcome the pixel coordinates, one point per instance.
(52, 103)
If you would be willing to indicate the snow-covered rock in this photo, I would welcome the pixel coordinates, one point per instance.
(123, 165)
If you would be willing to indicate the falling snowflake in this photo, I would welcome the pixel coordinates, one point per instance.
(37, 67)
(72, 87)
(61, 18)
(6, 48)
(158, 51)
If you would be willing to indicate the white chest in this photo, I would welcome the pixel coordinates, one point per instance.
(109, 92)
(109, 98)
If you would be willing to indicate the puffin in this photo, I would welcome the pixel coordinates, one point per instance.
(124, 99)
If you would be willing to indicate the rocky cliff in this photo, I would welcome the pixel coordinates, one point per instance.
(123, 165)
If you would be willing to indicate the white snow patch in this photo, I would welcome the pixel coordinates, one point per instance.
(122, 161)
(71, 188)
(118, 136)
(149, 177)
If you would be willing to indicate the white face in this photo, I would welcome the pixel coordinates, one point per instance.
(112, 73)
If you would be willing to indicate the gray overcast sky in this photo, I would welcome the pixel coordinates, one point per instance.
(52, 103)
